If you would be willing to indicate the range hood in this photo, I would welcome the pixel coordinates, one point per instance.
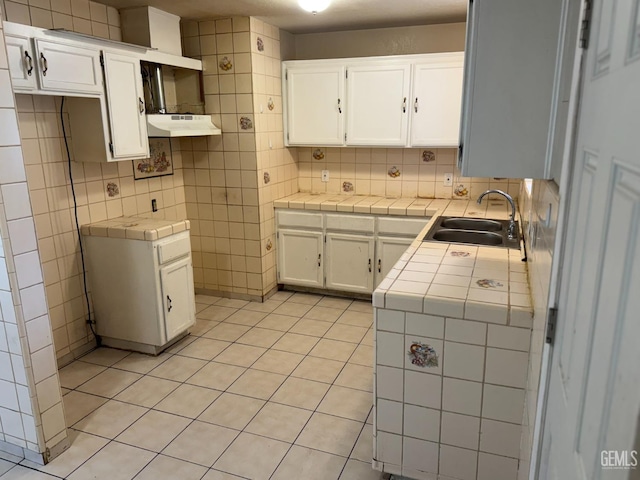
(175, 125)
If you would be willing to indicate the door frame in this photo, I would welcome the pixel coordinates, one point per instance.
(559, 255)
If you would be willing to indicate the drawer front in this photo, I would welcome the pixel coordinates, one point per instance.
(404, 226)
(351, 223)
(172, 250)
(292, 218)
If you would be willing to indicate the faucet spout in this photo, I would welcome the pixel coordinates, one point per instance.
(512, 222)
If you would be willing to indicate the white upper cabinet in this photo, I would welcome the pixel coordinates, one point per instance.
(314, 105)
(125, 100)
(511, 87)
(436, 100)
(395, 101)
(378, 104)
(67, 68)
(21, 62)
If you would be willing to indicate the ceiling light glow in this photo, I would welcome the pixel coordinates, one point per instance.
(314, 6)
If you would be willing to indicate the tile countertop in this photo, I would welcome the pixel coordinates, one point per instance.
(135, 228)
(481, 283)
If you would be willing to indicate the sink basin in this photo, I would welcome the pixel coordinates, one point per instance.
(468, 236)
(472, 224)
(472, 231)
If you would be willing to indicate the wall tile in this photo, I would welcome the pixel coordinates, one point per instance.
(506, 367)
(421, 389)
(493, 467)
(423, 423)
(389, 416)
(420, 455)
(461, 396)
(458, 462)
(503, 403)
(500, 438)
(460, 430)
(464, 361)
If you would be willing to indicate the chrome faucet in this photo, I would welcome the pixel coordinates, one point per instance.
(511, 232)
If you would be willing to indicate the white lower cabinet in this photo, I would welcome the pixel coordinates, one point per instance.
(349, 262)
(388, 252)
(300, 259)
(341, 252)
(176, 280)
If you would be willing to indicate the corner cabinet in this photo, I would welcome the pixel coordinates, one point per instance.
(395, 101)
(314, 105)
(519, 54)
(340, 252)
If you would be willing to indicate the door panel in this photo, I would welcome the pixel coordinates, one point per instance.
(388, 252)
(22, 65)
(67, 68)
(350, 262)
(593, 398)
(125, 102)
(300, 259)
(436, 102)
(315, 105)
(177, 297)
(378, 105)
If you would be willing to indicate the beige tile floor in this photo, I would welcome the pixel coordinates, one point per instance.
(273, 390)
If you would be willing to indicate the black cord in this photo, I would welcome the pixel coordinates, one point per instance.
(75, 210)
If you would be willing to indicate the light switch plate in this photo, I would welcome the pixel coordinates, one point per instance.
(448, 179)
(325, 175)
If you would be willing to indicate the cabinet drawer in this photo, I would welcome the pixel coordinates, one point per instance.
(351, 223)
(168, 252)
(401, 226)
(291, 218)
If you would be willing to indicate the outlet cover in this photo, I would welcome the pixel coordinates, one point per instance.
(325, 175)
(448, 179)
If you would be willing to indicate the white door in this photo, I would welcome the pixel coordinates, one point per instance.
(66, 68)
(21, 62)
(437, 101)
(378, 104)
(594, 389)
(315, 105)
(388, 252)
(350, 262)
(177, 297)
(300, 259)
(125, 102)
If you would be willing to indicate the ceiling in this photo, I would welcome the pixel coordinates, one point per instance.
(341, 14)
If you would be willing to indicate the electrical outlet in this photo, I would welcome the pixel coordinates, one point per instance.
(448, 179)
(325, 175)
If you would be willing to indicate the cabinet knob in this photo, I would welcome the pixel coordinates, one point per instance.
(415, 105)
(45, 65)
(141, 105)
(169, 306)
(29, 62)
(379, 265)
(404, 105)
(369, 265)
(339, 107)
(319, 259)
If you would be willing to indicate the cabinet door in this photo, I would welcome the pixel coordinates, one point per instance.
(125, 101)
(21, 62)
(178, 297)
(349, 262)
(388, 252)
(300, 259)
(315, 105)
(437, 101)
(378, 104)
(66, 68)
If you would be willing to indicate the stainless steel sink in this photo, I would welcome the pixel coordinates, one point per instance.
(468, 236)
(472, 231)
(481, 224)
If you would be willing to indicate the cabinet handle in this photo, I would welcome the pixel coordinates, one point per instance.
(415, 105)
(319, 258)
(404, 105)
(141, 105)
(369, 265)
(379, 265)
(339, 106)
(45, 65)
(169, 306)
(29, 62)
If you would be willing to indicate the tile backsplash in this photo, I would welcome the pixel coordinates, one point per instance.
(393, 172)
